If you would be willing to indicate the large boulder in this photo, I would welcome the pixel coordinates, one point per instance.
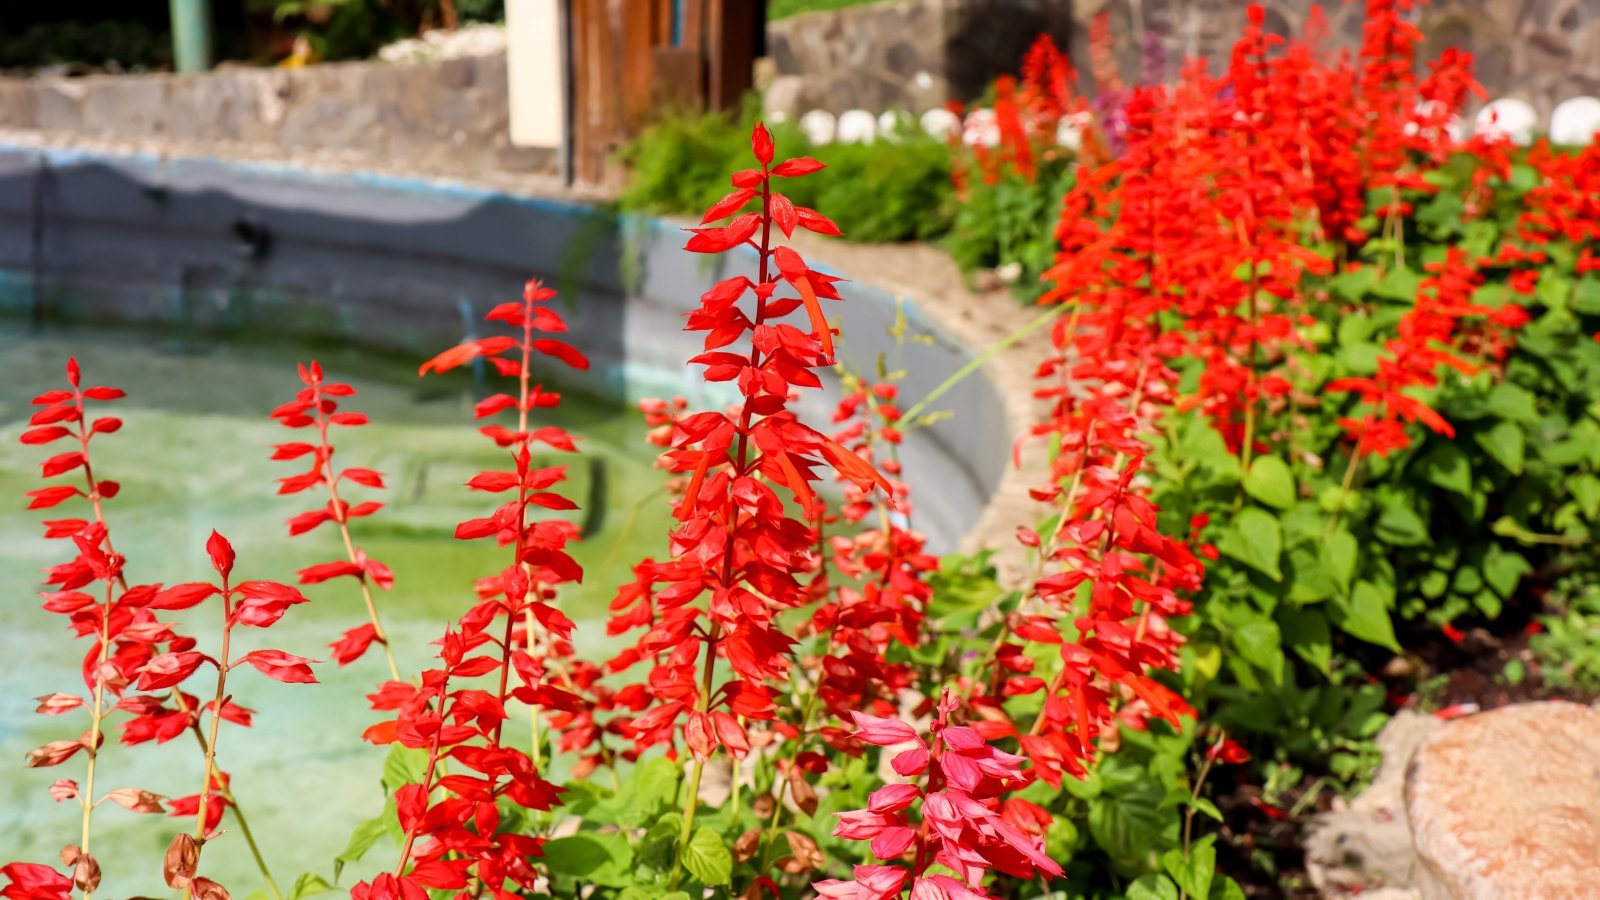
(1506, 805)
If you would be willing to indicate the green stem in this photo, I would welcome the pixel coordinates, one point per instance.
(978, 361)
(250, 840)
(1188, 813)
(691, 800)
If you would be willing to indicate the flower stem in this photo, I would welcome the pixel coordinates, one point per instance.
(331, 478)
(691, 800)
(216, 722)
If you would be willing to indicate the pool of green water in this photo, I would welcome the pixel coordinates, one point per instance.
(193, 456)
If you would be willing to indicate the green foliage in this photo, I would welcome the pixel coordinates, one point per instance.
(356, 29)
(783, 9)
(1123, 821)
(895, 189)
(1009, 224)
(1323, 571)
(130, 43)
(1567, 649)
(338, 29)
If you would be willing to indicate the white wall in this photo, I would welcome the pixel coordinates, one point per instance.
(535, 73)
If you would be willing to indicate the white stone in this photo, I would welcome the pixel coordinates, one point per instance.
(857, 126)
(819, 126)
(1508, 116)
(940, 122)
(782, 97)
(480, 39)
(980, 129)
(892, 124)
(1069, 132)
(1431, 108)
(1575, 121)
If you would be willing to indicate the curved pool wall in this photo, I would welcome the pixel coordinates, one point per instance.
(206, 246)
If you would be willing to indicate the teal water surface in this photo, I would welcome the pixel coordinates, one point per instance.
(193, 456)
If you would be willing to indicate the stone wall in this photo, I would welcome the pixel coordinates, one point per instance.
(445, 115)
(911, 54)
(1540, 51)
(917, 54)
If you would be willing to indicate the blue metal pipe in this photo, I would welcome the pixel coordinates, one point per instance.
(191, 35)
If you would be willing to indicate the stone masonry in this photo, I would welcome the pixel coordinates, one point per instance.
(445, 115)
(913, 54)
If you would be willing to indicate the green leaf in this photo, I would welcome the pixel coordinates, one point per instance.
(1153, 886)
(1513, 403)
(1261, 645)
(1340, 551)
(1586, 295)
(1230, 890)
(650, 788)
(1503, 569)
(1366, 616)
(1132, 825)
(707, 857)
(1194, 872)
(403, 766)
(308, 884)
(963, 589)
(1399, 524)
(592, 858)
(1586, 491)
(1307, 574)
(362, 839)
(1354, 285)
(1255, 539)
(1270, 481)
(1506, 444)
(1305, 631)
(1447, 466)
(1204, 805)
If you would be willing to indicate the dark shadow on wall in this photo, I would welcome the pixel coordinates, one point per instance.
(988, 38)
(409, 272)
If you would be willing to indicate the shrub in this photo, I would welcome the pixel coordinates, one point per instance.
(895, 189)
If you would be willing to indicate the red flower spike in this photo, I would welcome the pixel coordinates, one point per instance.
(761, 143)
(316, 407)
(710, 652)
(960, 830)
(221, 553)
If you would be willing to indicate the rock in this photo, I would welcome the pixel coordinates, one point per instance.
(482, 39)
(781, 101)
(1363, 848)
(1506, 804)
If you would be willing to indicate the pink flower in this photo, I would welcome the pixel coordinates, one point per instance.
(893, 797)
(882, 732)
(962, 828)
(870, 883)
(943, 887)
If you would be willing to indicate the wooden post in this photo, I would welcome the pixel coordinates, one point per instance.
(735, 37)
(634, 59)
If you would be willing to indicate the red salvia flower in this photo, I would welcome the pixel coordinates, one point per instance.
(316, 406)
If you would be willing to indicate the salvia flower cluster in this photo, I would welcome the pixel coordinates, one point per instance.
(821, 706)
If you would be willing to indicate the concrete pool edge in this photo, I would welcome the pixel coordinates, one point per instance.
(981, 492)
